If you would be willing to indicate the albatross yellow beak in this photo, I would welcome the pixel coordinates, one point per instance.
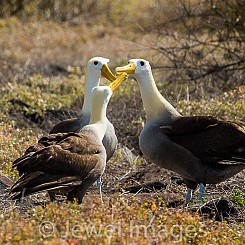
(116, 83)
(106, 72)
(129, 69)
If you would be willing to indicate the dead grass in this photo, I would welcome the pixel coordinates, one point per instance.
(29, 45)
(118, 221)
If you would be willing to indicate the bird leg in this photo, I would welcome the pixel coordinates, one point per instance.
(23, 194)
(201, 192)
(79, 191)
(51, 196)
(99, 185)
(188, 196)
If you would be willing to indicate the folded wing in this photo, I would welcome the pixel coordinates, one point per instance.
(208, 138)
(57, 161)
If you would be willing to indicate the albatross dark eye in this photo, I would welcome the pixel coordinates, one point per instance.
(96, 63)
(142, 63)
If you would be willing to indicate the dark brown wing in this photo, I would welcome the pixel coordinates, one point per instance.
(68, 161)
(57, 147)
(208, 138)
(45, 141)
(69, 125)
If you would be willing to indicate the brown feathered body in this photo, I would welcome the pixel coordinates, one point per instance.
(61, 163)
(201, 149)
(76, 124)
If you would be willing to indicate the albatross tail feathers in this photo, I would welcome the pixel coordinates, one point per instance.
(38, 181)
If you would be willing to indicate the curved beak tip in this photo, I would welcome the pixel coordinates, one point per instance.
(129, 69)
(116, 83)
(106, 72)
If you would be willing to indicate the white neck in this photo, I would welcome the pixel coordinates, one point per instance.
(98, 119)
(155, 105)
(91, 80)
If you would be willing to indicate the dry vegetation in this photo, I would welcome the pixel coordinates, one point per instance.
(198, 66)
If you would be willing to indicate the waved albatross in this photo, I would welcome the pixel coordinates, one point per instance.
(202, 149)
(68, 162)
(96, 68)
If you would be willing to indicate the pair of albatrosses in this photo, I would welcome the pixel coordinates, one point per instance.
(71, 158)
(202, 149)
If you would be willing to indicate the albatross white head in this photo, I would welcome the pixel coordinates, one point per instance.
(155, 105)
(97, 67)
(139, 68)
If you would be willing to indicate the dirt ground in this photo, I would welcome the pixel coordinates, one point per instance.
(127, 174)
